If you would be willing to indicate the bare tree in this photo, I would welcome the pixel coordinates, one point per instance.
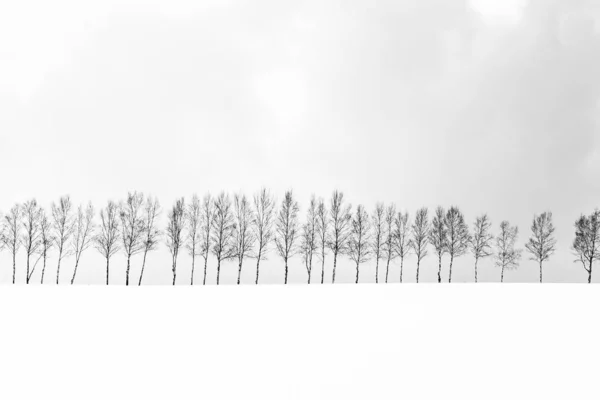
(31, 235)
(506, 254)
(131, 213)
(264, 207)
(457, 234)
(222, 231)
(359, 248)
(107, 240)
(12, 234)
(420, 236)
(481, 240)
(82, 234)
(308, 238)
(587, 241)
(438, 237)
(174, 232)
(322, 234)
(206, 221)
(341, 221)
(193, 216)
(542, 243)
(379, 238)
(286, 229)
(46, 240)
(402, 243)
(63, 226)
(151, 233)
(388, 244)
(243, 236)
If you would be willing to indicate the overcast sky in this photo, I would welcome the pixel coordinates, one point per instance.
(490, 105)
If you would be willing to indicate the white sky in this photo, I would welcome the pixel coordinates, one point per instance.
(491, 105)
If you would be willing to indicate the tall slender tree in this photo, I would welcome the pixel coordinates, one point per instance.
(151, 233)
(12, 235)
(308, 237)
(457, 234)
(222, 231)
(420, 236)
(63, 226)
(31, 232)
(481, 241)
(193, 217)
(206, 222)
(542, 243)
(174, 232)
(82, 234)
(243, 236)
(46, 240)
(322, 234)
(587, 241)
(286, 229)
(341, 222)
(402, 242)
(107, 239)
(131, 213)
(379, 235)
(264, 210)
(388, 244)
(359, 246)
(438, 237)
(507, 256)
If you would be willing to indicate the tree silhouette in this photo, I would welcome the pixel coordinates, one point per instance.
(222, 231)
(31, 234)
(308, 237)
(379, 235)
(359, 248)
(82, 233)
(131, 213)
(506, 254)
(438, 237)
(402, 243)
(481, 240)
(457, 234)
(587, 241)
(46, 240)
(542, 243)
(63, 226)
(206, 221)
(322, 234)
(12, 234)
(174, 232)
(193, 219)
(107, 240)
(151, 233)
(341, 223)
(420, 236)
(389, 243)
(286, 229)
(243, 237)
(264, 209)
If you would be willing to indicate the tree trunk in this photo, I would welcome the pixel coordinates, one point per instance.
(418, 264)
(357, 267)
(377, 271)
(590, 273)
(193, 266)
(387, 269)
(174, 269)
(323, 268)
(127, 271)
(450, 273)
(15, 267)
(476, 270)
(75, 270)
(401, 267)
(257, 267)
(107, 268)
(540, 272)
(309, 269)
(27, 276)
(334, 265)
(43, 269)
(286, 270)
(218, 269)
(142, 271)
(205, 267)
(239, 272)
(440, 268)
(58, 267)
(502, 275)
